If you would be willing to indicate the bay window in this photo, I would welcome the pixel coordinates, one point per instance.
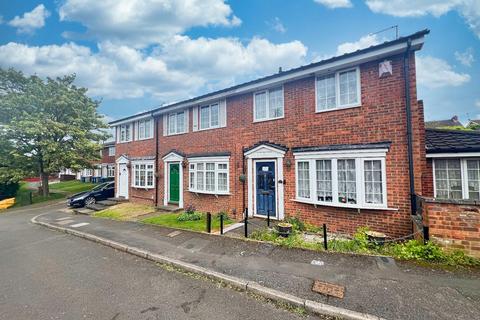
(457, 178)
(338, 90)
(143, 174)
(268, 104)
(209, 175)
(342, 179)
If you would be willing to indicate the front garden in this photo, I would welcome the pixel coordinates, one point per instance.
(305, 236)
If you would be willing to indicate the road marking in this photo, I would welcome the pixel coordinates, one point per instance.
(64, 222)
(78, 225)
(64, 218)
(174, 234)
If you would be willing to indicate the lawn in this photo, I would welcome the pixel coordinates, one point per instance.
(125, 211)
(170, 220)
(72, 186)
(23, 195)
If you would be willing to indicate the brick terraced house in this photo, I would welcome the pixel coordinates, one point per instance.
(340, 141)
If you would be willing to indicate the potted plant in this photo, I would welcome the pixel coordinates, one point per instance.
(376, 237)
(284, 229)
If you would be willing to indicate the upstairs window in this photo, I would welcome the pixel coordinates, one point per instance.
(111, 151)
(268, 104)
(125, 132)
(145, 129)
(176, 123)
(209, 116)
(338, 90)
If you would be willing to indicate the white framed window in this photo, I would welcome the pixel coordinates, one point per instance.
(268, 104)
(176, 123)
(143, 174)
(111, 151)
(210, 116)
(110, 171)
(125, 132)
(457, 178)
(145, 129)
(209, 175)
(354, 180)
(338, 90)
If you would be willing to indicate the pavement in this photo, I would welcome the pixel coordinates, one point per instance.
(46, 274)
(378, 286)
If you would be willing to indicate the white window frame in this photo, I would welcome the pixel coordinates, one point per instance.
(134, 169)
(142, 129)
(123, 128)
(209, 116)
(176, 114)
(464, 175)
(337, 91)
(360, 156)
(111, 151)
(110, 171)
(267, 93)
(193, 162)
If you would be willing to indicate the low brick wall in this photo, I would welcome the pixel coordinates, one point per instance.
(453, 224)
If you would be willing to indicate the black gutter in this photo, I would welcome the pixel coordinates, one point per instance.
(406, 72)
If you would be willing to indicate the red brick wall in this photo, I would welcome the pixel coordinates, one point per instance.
(132, 149)
(105, 157)
(427, 179)
(454, 224)
(381, 117)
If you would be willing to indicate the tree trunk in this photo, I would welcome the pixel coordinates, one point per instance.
(45, 187)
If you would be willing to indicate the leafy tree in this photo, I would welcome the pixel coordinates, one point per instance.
(47, 125)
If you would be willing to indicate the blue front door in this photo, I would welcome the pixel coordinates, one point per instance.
(265, 185)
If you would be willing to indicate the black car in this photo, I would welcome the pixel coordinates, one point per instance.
(101, 192)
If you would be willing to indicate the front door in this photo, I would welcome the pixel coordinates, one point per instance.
(265, 185)
(122, 187)
(174, 183)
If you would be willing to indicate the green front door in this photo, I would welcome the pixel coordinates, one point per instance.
(174, 182)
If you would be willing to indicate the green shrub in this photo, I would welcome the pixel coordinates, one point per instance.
(297, 224)
(8, 189)
(416, 250)
(189, 209)
(189, 216)
(224, 214)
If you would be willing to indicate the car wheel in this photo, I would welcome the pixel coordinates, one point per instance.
(89, 201)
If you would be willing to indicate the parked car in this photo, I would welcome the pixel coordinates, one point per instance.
(101, 192)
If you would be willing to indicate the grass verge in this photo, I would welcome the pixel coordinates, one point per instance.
(125, 211)
(171, 220)
(23, 196)
(72, 186)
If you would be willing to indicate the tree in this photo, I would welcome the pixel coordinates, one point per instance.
(51, 124)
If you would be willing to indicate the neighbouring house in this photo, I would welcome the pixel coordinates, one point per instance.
(451, 189)
(473, 124)
(340, 141)
(444, 124)
(102, 170)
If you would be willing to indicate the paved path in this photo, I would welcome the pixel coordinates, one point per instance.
(374, 285)
(49, 275)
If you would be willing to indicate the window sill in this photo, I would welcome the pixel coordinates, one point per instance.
(141, 139)
(212, 128)
(120, 142)
(175, 134)
(210, 192)
(339, 108)
(269, 119)
(144, 188)
(323, 204)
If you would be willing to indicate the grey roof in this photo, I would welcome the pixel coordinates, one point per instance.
(415, 35)
(337, 147)
(439, 124)
(451, 141)
(267, 143)
(209, 154)
(181, 154)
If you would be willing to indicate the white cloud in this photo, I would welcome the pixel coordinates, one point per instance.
(178, 69)
(466, 58)
(333, 4)
(277, 25)
(30, 21)
(363, 42)
(143, 22)
(436, 73)
(468, 9)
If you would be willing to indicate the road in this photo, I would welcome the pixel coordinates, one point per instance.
(50, 275)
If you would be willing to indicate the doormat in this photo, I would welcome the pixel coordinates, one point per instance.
(329, 289)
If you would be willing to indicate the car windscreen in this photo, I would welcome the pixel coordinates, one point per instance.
(100, 187)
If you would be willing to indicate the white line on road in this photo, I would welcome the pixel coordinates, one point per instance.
(64, 218)
(64, 222)
(78, 225)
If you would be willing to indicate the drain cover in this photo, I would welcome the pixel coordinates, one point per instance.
(329, 289)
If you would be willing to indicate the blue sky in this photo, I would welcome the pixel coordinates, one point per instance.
(136, 55)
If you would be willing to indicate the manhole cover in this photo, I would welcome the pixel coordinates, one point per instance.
(329, 289)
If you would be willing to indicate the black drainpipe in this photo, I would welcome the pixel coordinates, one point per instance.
(155, 121)
(406, 72)
(243, 182)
